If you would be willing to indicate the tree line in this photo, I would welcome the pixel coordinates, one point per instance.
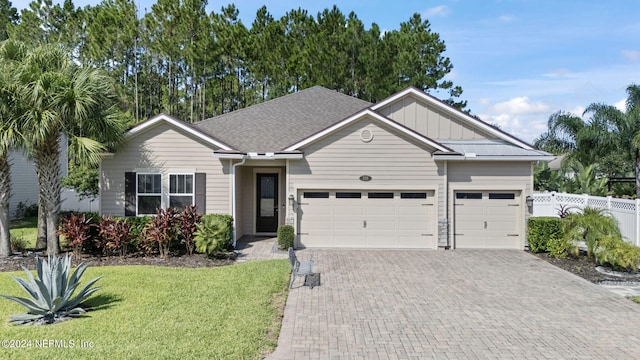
(178, 59)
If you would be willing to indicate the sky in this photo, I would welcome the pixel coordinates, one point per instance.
(518, 61)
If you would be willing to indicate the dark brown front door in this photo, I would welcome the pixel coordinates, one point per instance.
(267, 203)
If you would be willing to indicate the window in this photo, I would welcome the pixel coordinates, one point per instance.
(462, 195)
(380, 195)
(413, 195)
(149, 193)
(316, 195)
(348, 195)
(180, 190)
(502, 196)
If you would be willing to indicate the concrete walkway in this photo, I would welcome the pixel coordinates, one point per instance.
(456, 304)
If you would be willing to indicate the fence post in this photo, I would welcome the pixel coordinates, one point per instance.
(637, 239)
(553, 203)
(586, 201)
(609, 203)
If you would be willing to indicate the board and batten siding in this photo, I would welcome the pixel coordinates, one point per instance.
(166, 150)
(430, 121)
(391, 160)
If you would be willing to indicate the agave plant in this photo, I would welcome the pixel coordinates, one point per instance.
(52, 292)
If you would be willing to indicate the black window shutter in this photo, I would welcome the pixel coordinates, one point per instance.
(201, 193)
(129, 194)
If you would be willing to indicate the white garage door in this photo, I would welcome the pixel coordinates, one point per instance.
(366, 219)
(488, 220)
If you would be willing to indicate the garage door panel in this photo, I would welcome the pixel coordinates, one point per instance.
(367, 220)
(348, 240)
(488, 221)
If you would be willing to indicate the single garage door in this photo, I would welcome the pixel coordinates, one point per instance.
(366, 219)
(488, 220)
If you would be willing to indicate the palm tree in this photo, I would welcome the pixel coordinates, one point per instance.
(10, 53)
(60, 97)
(609, 139)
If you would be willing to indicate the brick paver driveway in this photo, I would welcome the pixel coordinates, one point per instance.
(375, 304)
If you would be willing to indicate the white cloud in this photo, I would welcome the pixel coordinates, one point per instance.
(507, 18)
(621, 105)
(521, 105)
(631, 55)
(441, 10)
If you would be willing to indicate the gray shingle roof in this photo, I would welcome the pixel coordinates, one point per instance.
(490, 148)
(273, 125)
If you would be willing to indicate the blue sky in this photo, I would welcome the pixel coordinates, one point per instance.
(518, 61)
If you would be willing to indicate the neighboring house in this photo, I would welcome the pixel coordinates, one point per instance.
(24, 181)
(407, 172)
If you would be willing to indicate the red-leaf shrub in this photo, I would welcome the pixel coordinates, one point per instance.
(188, 219)
(76, 230)
(114, 235)
(163, 230)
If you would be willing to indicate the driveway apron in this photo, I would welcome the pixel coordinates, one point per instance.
(400, 304)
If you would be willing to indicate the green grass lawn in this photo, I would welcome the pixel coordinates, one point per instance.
(26, 228)
(145, 312)
(635, 299)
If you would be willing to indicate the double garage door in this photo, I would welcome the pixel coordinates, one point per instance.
(487, 220)
(367, 219)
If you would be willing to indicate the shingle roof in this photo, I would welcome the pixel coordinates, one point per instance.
(273, 125)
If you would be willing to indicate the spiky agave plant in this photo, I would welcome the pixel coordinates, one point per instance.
(52, 293)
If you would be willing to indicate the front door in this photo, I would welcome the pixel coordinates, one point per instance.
(267, 203)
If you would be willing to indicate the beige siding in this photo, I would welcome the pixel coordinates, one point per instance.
(392, 161)
(164, 149)
(483, 175)
(431, 121)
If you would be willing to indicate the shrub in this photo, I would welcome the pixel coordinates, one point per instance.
(163, 230)
(23, 210)
(214, 234)
(188, 219)
(19, 244)
(618, 254)
(559, 247)
(52, 292)
(285, 236)
(542, 229)
(114, 235)
(137, 225)
(76, 229)
(590, 226)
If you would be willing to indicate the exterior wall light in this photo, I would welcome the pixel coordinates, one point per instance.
(529, 201)
(291, 200)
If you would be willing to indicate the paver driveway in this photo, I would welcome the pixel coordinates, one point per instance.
(397, 304)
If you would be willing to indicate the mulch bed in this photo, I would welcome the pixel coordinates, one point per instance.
(581, 266)
(14, 263)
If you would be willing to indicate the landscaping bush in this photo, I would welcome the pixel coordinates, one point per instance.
(559, 247)
(214, 234)
(285, 236)
(590, 226)
(542, 229)
(136, 225)
(618, 254)
(114, 235)
(19, 244)
(188, 219)
(161, 232)
(76, 229)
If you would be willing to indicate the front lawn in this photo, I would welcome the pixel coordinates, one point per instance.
(145, 312)
(26, 229)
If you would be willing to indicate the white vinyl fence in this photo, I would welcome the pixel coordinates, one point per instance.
(625, 211)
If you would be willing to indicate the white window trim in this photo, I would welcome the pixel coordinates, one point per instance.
(138, 194)
(193, 187)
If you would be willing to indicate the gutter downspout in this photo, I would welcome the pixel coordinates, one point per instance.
(233, 196)
(446, 204)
